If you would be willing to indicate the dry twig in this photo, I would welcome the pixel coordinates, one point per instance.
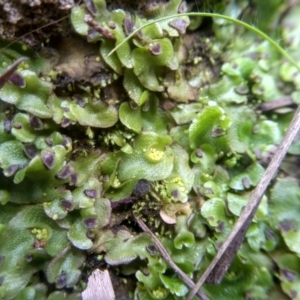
(10, 70)
(169, 260)
(219, 265)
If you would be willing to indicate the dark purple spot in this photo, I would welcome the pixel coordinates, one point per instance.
(61, 280)
(7, 125)
(36, 123)
(11, 170)
(49, 141)
(90, 223)
(66, 204)
(208, 191)
(270, 235)
(255, 129)
(155, 48)
(175, 194)
(65, 122)
(2, 258)
(287, 225)
(220, 227)
(151, 249)
(122, 201)
(17, 125)
(133, 105)
(258, 154)
(28, 257)
(152, 7)
(179, 24)
(128, 26)
(66, 142)
(30, 150)
(91, 7)
(64, 173)
(217, 132)
(90, 235)
(79, 100)
(288, 274)
(105, 178)
(4, 77)
(74, 178)
(182, 8)
(246, 182)
(90, 193)
(48, 159)
(111, 25)
(17, 80)
(145, 271)
(242, 90)
(293, 294)
(141, 188)
(93, 35)
(199, 153)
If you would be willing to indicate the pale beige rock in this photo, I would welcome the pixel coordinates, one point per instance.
(99, 287)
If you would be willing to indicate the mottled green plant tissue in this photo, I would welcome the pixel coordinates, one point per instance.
(176, 128)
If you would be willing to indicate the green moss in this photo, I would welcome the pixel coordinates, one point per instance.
(180, 134)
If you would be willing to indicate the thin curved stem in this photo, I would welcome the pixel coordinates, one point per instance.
(214, 15)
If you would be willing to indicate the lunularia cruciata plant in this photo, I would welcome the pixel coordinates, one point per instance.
(175, 126)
